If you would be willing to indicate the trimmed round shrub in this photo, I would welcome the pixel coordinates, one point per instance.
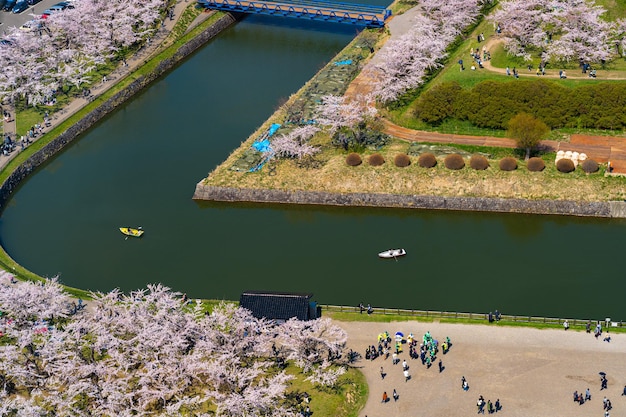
(402, 160)
(565, 165)
(376, 160)
(427, 160)
(479, 162)
(454, 161)
(508, 163)
(353, 159)
(590, 166)
(535, 164)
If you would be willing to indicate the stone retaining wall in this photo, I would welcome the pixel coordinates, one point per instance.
(107, 107)
(570, 208)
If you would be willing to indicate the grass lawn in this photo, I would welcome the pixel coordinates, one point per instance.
(347, 399)
(520, 322)
(499, 59)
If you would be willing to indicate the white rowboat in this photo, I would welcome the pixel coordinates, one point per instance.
(392, 253)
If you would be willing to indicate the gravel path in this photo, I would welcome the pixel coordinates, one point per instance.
(533, 372)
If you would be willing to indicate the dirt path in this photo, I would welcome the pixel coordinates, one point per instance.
(494, 41)
(533, 372)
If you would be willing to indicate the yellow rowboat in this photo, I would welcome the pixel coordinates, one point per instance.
(129, 231)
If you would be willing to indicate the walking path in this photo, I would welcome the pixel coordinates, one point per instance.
(146, 52)
(600, 148)
(532, 372)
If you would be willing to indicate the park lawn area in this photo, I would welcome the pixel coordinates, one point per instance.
(500, 58)
(346, 399)
(615, 9)
(347, 316)
(403, 114)
(449, 126)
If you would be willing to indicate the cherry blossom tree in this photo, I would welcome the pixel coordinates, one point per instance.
(314, 346)
(564, 30)
(150, 353)
(295, 143)
(336, 112)
(404, 62)
(71, 44)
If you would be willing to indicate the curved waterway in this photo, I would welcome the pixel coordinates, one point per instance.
(139, 167)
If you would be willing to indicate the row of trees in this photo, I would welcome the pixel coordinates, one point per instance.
(491, 104)
(562, 30)
(151, 353)
(70, 45)
(404, 62)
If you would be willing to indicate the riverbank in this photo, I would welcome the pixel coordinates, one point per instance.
(80, 115)
(144, 68)
(531, 371)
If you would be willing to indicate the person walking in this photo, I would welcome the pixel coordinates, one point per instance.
(603, 383)
(440, 366)
(385, 397)
(481, 405)
(464, 383)
(395, 395)
(587, 395)
(382, 373)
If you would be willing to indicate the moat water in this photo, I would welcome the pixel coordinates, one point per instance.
(140, 165)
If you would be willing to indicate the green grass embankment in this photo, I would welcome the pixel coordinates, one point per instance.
(31, 115)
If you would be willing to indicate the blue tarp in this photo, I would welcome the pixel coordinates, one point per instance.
(346, 62)
(262, 146)
(273, 128)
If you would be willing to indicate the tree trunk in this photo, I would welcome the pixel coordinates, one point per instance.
(527, 157)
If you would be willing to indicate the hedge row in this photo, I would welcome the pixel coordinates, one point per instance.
(477, 162)
(491, 104)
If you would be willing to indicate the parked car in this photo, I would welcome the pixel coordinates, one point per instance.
(20, 6)
(30, 26)
(8, 6)
(56, 8)
(2, 3)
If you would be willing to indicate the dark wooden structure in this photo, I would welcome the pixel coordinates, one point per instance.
(280, 306)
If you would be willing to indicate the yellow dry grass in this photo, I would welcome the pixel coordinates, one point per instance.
(334, 175)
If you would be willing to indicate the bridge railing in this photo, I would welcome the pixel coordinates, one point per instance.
(432, 314)
(356, 7)
(367, 15)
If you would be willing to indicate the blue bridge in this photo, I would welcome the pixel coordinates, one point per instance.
(326, 11)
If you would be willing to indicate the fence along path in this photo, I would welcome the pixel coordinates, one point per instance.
(433, 314)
